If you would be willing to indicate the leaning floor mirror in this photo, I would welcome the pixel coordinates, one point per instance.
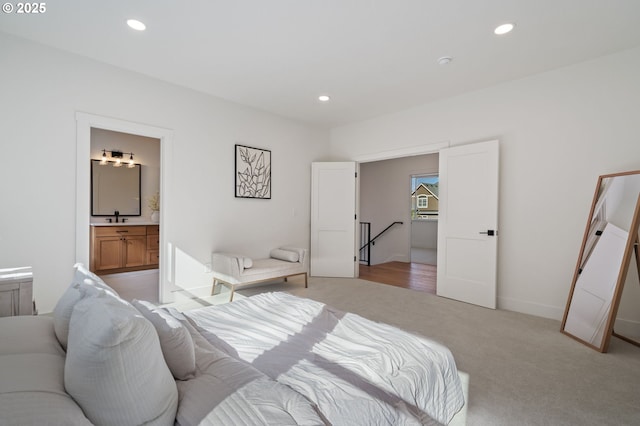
(609, 248)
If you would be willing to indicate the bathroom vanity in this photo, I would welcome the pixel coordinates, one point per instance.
(118, 247)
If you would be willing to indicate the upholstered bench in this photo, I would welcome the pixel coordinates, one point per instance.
(233, 270)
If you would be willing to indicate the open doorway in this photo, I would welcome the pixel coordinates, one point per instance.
(124, 217)
(84, 125)
(386, 198)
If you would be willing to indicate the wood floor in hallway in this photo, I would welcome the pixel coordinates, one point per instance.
(416, 276)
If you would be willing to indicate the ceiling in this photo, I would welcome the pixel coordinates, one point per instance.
(373, 57)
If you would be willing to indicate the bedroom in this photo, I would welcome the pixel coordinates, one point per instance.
(559, 130)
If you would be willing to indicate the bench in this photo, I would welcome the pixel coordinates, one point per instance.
(233, 270)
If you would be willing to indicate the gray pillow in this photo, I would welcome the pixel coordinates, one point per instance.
(64, 307)
(114, 367)
(175, 340)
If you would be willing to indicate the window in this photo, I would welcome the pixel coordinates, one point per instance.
(424, 197)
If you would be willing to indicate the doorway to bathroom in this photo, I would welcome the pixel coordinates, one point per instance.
(157, 287)
(124, 216)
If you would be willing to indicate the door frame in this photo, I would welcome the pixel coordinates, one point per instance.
(433, 148)
(84, 123)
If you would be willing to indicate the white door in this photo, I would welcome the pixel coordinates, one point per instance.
(468, 223)
(333, 220)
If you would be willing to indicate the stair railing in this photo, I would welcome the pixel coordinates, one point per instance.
(367, 241)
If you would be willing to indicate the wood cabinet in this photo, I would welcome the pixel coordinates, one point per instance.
(153, 245)
(124, 248)
(16, 292)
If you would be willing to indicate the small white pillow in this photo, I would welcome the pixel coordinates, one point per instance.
(114, 367)
(289, 256)
(175, 340)
(247, 262)
(64, 307)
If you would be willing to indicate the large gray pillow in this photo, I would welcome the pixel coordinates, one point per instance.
(64, 307)
(114, 367)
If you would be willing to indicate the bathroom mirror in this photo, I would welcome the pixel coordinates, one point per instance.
(609, 246)
(115, 189)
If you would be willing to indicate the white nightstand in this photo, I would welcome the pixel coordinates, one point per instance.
(16, 292)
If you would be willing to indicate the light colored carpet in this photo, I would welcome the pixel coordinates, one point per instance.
(523, 371)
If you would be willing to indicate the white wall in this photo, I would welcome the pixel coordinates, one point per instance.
(385, 197)
(424, 233)
(43, 88)
(559, 131)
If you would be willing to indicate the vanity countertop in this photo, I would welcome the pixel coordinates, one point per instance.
(123, 224)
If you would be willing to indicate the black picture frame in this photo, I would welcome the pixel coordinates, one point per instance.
(252, 172)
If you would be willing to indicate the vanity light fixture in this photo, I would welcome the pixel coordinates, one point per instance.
(118, 155)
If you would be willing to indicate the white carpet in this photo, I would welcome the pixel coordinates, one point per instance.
(522, 370)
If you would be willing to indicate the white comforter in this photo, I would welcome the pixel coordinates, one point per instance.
(226, 391)
(356, 371)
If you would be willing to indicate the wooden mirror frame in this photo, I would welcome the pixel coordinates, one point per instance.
(631, 247)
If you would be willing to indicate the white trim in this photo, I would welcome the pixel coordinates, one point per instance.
(628, 328)
(402, 152)
(433, 148)
(531, 308)
(84, 123)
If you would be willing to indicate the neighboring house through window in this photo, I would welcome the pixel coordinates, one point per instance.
(424, 197)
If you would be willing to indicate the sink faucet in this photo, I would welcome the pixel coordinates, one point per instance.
(117, 213)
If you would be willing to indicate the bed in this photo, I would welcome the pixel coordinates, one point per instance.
(355, 371)
(271, 359)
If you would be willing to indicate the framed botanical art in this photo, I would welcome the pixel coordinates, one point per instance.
(252, 172)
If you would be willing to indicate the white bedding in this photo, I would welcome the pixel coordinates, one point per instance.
(355, 370)
(227, 391)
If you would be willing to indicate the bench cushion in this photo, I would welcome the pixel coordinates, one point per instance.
(270, 268)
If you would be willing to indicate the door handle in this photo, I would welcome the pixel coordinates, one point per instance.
(489, 232)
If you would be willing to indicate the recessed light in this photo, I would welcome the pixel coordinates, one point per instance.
(445, 60)
(504, 29)
(136, 25)
(324, 98)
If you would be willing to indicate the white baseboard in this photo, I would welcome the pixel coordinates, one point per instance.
(628, 328)
(190, 293)
(397, 258)
(530, 308)
(625, 327)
